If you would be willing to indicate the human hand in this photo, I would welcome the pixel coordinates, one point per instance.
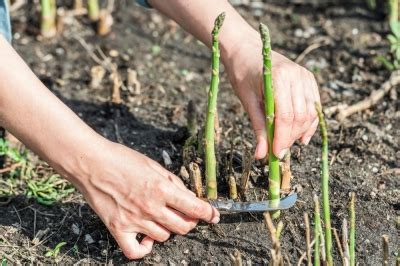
(295, 89)
(133, 194)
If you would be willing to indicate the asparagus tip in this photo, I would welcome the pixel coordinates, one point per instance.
(218, 23)
(264, 33)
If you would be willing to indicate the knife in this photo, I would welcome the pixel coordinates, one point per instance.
(254, 206)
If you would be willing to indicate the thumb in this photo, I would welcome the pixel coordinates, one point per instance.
(130, 245)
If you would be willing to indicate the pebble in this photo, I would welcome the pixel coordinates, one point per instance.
(364, 137)
(113, 53)
(89, 239)
(375, 170)
(75, 229)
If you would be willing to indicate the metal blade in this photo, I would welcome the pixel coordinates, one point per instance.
(255, 206)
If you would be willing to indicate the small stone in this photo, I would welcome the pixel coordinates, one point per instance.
(373, 194)
(354, 31)
(89, 239)
(166, 158)
(364, 137)
(75, 229)
(375, 170)
(113, 53)
(186, 251)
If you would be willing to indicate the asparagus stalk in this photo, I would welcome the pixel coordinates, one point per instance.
(393, 12)
(352, 230)
(317, 225)
(93, 10)
(211, 164)
(269, 107)
(48, 20)
(325, 185)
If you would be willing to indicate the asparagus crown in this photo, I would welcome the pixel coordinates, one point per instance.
(265, 35)
(218, 23)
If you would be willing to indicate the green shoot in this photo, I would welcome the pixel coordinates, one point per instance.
(93, 10)
(394, 36)
(352, 240)
(48, 20)
(211, 164)
(269, 107)
(325, 186)
(48, 191)
(54, 252)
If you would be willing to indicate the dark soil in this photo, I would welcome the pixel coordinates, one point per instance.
(173, 68)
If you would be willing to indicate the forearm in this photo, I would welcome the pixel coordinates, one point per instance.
(197, 17)
(40, 120)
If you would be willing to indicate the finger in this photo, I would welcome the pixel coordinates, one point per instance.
(300, 92)
(131, 247)
(255, 108)
(155, 231)
(177, 222)
(191, 206)
(284, 117)
(310, 132)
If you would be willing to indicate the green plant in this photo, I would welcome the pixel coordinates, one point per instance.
(352, 239)
(54, 252)
(13, 153)
(211, 164)
(48, 21)
(325, 185)
(93, 10)
(269, 107)
(48, 191)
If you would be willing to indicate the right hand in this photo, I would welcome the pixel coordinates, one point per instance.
(133, 194)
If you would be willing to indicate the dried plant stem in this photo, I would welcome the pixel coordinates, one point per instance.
(335, 233)
(269, 108)
(352, 240)
(308, 239)
(48, 21)
(195, 177)
(93, 10)
(325, 186)
(345, 243)
(385, 249)
(78, 4)
(372, 99)
(286, 173)
(275, 233)
(317, 226)
(211, 164)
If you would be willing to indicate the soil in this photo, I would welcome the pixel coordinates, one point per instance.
(174, 68)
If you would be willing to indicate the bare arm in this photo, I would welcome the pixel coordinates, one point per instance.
(119, 183)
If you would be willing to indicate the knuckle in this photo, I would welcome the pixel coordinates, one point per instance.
(301, 118)
(183, 230)
(131, 254)
(164, 237)
(286, 118)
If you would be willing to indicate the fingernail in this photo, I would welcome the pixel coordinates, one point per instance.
(282, 153)
(307, 140)
(215, 220)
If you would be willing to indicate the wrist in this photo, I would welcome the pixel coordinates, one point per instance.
(76, 162)
(236, 40)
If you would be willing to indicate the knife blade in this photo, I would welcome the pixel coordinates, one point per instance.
(254, 206)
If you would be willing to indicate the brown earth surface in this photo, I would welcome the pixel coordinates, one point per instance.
(174, 68)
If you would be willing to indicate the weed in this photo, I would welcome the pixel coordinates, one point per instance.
(54, 252)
